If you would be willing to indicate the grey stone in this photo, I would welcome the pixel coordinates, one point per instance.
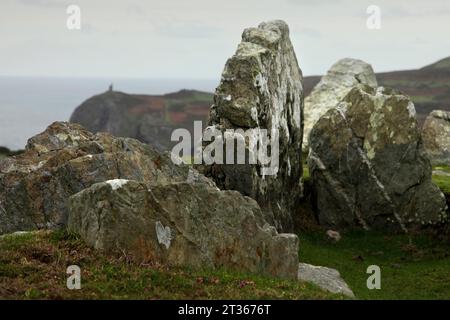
(325, 278)
(182, 224)
(261, 88)
(436, 137)
(368, 165)
(332, 88)
(65, 159)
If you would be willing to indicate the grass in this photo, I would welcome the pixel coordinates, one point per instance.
(33, 266)
(417, 270)
(442, 181)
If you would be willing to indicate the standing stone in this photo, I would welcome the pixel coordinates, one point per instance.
(261, 88)
(332, 88)
(369, 167)
(436, 137)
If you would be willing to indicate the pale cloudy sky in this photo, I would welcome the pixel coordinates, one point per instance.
(193, 38)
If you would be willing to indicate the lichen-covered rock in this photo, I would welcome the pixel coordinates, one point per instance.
(65, 159)
(332, 88)
(369, 167)
(436, 137)
(182, 224)
(261, 88)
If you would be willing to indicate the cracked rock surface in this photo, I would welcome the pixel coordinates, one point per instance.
(261, 88)
(332, 88)
(369, 167)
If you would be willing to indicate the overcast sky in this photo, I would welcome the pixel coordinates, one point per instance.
(193, 38)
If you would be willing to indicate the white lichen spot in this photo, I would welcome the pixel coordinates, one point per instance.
(254, 114)
(117, 183)
(163, 234)
(411, 110)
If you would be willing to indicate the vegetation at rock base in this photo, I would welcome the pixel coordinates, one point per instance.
(33, 266)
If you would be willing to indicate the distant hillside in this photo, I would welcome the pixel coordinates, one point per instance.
(428, 87)
(148, 118)
(152, 118)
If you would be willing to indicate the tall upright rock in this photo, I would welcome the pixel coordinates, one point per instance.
(369, 167)
(436, 137)
(261, 88)
(332, 88)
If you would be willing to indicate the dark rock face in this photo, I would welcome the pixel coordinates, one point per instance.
(182, 224)
(436, 137)
(369, 167)
(261, 88)
(149, 119)
(65, 159)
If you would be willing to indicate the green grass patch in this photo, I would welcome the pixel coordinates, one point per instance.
(416, 270)
(442, 180)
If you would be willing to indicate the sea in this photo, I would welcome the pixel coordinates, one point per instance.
(29, 104)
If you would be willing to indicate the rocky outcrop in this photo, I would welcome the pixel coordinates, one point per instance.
(148, 118)
(182, 224)
(65, 159)
(436, 137)
(369, 167)
(120, 194)
(332, 88)
(261, 88)
(325, 278)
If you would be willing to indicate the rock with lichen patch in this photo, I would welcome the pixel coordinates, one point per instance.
(261, 88)
(335, 85)
(369, 167)
(65, 159)
(436, 137)
(182, 224)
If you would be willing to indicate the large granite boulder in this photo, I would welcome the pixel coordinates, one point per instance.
(436, 137)
(369, 167)
(261, 88)
(65, 159)
(182, 224)
(332, 88)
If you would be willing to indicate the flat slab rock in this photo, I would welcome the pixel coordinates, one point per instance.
(182, 224)
(325, 278)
